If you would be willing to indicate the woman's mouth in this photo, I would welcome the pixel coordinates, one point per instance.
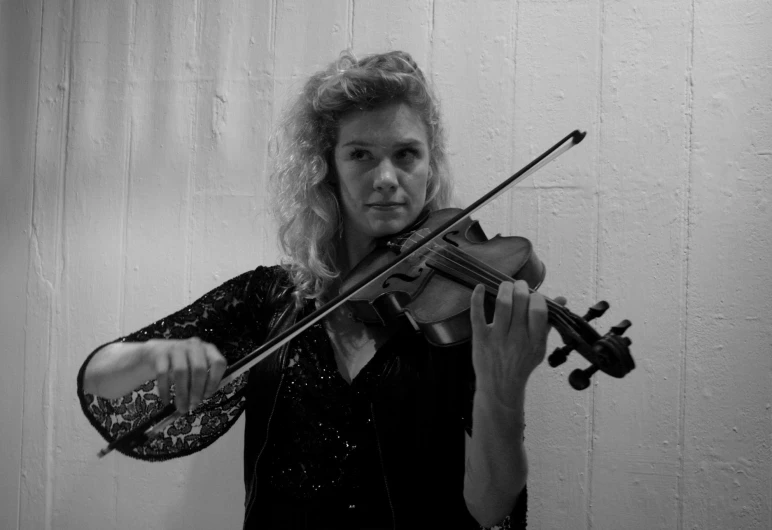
(386, 205)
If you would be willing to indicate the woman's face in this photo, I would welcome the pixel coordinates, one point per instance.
(382, 166)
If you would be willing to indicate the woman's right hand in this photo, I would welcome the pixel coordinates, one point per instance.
(193, 366)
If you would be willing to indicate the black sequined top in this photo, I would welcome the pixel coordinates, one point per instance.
(324, 448)
(327, 444)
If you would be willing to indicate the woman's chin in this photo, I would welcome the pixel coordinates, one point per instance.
(375, 227)
(388, 228)
(385, 225)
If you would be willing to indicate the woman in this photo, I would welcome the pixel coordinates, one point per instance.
(350, 426)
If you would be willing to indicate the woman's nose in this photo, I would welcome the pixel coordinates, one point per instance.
(386, 177)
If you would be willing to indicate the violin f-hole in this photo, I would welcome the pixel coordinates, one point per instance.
(450, 241)
(403, 277)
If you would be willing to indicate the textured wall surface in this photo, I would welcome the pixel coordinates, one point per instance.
(133, 164)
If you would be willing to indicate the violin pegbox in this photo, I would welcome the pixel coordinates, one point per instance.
(609, 353)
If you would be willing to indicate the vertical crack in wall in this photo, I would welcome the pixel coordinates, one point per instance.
(188, 205)
(598, 245)
(351, 25)
(430, 61)
(33, 261)
(685, 242)
(128, 170)
(60, 263)
(514, 33)
(34, 238)
(273, 22)
(272, 140)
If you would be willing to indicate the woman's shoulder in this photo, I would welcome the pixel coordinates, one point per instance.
(266, 283)
(263, 274)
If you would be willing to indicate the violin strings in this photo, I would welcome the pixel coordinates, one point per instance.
(483, 273)
(476, 271)
(475, 268)
(496, 274)
(486, 273)
(558, 311)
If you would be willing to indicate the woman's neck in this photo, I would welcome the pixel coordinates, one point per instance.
(354, 249)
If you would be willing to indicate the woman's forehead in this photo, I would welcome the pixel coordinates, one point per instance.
(383, 125)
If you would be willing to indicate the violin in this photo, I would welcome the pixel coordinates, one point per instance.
(423, 276)
(431, 292)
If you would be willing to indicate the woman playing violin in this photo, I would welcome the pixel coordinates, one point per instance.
(351, 425)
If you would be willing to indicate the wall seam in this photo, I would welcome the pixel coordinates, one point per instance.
(60, 261)
(274, 25)
(127, 178)
(514, 34)
(538, 192)
(591, 426)
(430, 61)
(274, 15)
(127, 171)
(267, 165)
(685, 271)
(351, 25)
(194, 143)
(30, 264)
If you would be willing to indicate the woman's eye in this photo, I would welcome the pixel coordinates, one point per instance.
(408, 155)
(359, 154)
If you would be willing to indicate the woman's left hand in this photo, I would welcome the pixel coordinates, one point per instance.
(506, 351)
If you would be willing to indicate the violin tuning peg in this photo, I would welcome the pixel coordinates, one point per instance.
(620, 328)
(596, 311)
(580, 379)
(559, 356)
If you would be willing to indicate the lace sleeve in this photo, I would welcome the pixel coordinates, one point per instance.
(233, 318)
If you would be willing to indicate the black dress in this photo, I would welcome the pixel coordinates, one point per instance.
(385, 451)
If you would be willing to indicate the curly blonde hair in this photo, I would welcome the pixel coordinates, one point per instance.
(305, 202)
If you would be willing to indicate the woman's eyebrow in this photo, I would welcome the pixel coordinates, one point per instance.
(404, 143)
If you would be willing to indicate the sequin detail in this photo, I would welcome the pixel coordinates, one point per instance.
(326, 444)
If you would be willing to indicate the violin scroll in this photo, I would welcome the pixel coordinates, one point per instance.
(610, 353)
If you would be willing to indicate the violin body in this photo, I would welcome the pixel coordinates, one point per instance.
(434, 298)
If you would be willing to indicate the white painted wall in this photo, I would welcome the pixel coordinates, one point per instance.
(132, 177)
